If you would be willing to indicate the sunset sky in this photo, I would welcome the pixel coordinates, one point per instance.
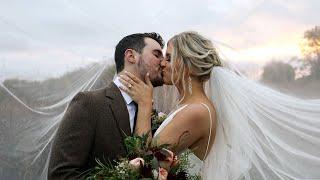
(47, 38)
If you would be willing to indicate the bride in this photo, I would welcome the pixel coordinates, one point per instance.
(240, 129)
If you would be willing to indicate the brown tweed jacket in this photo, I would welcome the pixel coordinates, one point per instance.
(93, 126)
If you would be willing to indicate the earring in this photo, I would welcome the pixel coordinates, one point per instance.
(190, 85)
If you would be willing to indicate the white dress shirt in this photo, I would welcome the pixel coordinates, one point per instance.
(130, 106)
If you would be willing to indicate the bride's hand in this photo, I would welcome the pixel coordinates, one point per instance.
(139, 91)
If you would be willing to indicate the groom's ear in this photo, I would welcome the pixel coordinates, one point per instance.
(130, 56)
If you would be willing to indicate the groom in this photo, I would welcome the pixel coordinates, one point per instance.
(96, 123)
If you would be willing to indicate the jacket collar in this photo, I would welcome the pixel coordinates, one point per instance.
(119, 109)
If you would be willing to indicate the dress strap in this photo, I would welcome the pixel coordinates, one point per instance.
(205, 155)
(169, 119)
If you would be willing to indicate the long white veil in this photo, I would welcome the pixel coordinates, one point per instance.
(261, 133)
(30, 112)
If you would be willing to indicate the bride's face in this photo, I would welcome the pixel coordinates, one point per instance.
(166, 66)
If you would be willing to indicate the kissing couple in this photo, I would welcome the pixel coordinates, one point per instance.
(237, 127)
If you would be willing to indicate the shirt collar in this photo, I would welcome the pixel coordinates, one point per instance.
(126, 96)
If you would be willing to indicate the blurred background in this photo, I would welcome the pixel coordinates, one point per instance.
(50, 50)
(40, 40)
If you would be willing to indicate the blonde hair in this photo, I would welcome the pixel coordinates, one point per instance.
(194, 55)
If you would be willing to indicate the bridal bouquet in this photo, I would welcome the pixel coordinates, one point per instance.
(157, 118)
(145, 161)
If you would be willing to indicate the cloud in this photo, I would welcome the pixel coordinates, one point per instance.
(72, 30)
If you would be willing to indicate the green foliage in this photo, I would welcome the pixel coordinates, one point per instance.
(156, 120)
(139, 146)
(121, 171)
(185, 165)
(136, 145)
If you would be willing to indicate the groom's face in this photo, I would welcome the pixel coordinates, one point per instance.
(149, 61)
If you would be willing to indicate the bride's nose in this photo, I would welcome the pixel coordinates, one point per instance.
(163, 63)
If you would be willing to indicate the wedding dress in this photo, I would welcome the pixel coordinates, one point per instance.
(261, 134)
(194, 160)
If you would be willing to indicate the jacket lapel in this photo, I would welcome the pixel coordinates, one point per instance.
(119, 109)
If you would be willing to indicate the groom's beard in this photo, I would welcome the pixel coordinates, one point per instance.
(157, 81)
(155, 77)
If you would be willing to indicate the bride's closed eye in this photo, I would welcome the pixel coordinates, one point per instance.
(168, 58)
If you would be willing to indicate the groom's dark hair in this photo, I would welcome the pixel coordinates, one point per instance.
(135, 42)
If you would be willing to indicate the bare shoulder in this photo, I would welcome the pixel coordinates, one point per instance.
(187, 127)
(196, 114)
